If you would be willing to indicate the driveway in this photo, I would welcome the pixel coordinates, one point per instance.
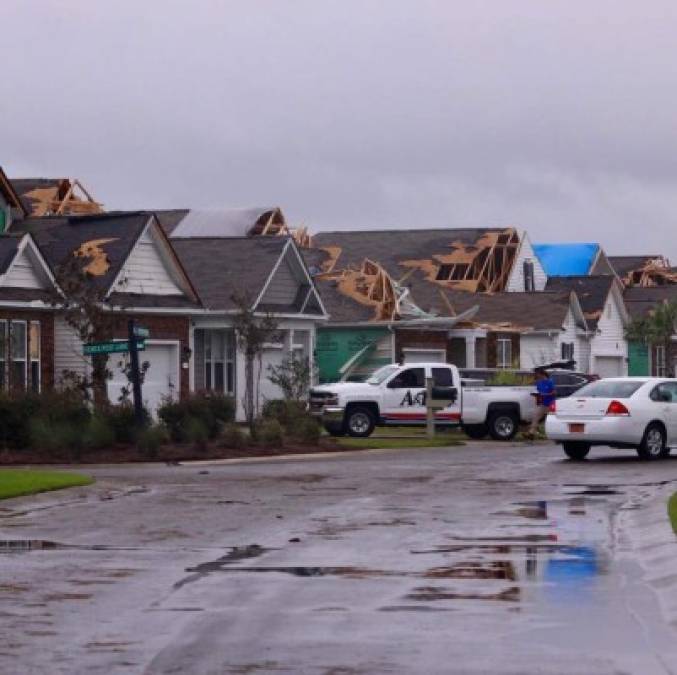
(489, 558)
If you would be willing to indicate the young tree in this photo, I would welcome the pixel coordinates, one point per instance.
(83, 308)
(252, 332)
(657, 328)
(293, 377)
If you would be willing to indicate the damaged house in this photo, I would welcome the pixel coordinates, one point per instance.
(646, 271)
(430, 295)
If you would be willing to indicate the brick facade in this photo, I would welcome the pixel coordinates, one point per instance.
(163, 328)
(46, 321)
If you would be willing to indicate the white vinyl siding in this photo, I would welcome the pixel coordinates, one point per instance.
(609, 341)
(67, 351)
(145, 272)
(516, 279)
(22, 273)
(536, 350)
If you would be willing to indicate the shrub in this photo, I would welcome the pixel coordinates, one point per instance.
(196, 432)
(19, 413)
(269, 433)
(286, 412)
(233, 436)
(55, 437)
(509, 378)
(306, 430)
(122, 420)
(150, 439)
(99, 433)
(212, 410)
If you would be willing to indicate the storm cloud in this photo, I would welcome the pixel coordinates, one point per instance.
(556, 117)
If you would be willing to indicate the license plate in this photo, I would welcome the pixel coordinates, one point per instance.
(576, 428)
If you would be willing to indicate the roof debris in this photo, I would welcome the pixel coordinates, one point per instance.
(55, 196)
(646, 273)
(483, 267)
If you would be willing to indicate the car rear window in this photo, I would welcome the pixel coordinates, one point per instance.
(610, 389)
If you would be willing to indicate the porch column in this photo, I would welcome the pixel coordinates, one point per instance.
(470, 351)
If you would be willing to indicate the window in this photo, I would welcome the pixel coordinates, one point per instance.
(219, 361)
(660, 361)
(34, 354)
(528, 271)
(567, 351)
(664, 393)
(17, 354)
(409, 378)
(503, 353)
(442, 377)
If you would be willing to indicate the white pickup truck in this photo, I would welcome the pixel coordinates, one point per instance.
(395, 396)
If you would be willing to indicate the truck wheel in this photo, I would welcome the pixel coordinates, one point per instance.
(503, 426)
(359, 422)
(476, 431)
(576, 451)
(653, 443)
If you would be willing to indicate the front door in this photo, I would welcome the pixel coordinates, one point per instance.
(404, 399)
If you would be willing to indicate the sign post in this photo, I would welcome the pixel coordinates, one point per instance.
(132, 337)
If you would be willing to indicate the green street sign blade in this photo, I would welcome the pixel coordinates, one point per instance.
(141, 332)
(117, 347)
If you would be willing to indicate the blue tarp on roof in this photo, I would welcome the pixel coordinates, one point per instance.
(566, 260)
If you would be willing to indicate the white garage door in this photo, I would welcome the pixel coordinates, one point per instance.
(162, 376)
(609, 366)
(424, 355)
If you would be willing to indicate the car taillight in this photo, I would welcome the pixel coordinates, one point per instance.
(617, 408)
(553, 407)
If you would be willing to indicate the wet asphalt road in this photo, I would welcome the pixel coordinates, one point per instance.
(490, 558)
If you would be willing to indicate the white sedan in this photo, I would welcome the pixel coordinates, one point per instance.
(628, 412)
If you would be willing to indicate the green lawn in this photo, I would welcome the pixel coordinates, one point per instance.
(18, 482)
(672, 511)
(419, 441)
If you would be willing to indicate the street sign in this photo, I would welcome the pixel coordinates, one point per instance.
(117, 347)
(141, 332)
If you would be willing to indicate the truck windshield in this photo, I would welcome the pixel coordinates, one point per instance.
(382, 374)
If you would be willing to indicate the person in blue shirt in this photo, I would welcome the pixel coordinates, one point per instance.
(545, 395)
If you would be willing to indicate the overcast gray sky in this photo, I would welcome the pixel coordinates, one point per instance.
(559, 117)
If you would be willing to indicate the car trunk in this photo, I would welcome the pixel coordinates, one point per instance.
(582, 408)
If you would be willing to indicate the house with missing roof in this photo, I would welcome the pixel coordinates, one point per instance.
(474, 297)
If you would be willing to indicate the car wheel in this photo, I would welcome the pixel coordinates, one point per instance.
(576, 451)
(359, 422)
(476, 431)
(653, 443)
(503, 426)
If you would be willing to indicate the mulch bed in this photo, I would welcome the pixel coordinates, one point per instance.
(168, 453)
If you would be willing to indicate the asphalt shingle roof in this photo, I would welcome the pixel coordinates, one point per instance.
(222, 267)
(59, 237)
(592, 293)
